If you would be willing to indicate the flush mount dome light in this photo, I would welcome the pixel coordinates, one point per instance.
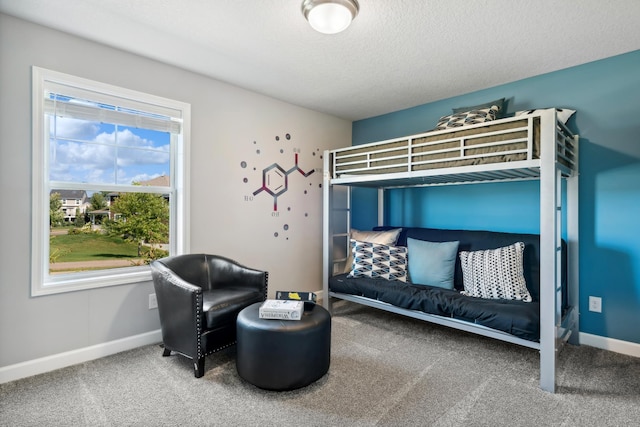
(330, 16)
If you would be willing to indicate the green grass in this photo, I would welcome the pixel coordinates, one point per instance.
(92, 247)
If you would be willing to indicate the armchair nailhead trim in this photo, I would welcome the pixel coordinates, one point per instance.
(198, 312)
(220, 348)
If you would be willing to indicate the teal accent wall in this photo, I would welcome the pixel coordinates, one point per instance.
(606, 96)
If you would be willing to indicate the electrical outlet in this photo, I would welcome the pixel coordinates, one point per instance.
(153, 302)
(595, 304)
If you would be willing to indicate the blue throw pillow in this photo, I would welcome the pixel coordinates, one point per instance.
(432, 263)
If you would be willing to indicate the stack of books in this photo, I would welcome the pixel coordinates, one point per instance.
(288, 305)
(281, 309)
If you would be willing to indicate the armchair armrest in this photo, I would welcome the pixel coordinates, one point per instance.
(253, 279)
(180, 328)
(225, 273)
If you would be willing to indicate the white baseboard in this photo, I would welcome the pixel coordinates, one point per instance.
(73, 357)
(611, 344)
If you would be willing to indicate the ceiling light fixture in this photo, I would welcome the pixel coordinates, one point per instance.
(330, 16)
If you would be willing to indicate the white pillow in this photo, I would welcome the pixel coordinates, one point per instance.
(495, 273)
(564, 114)
(387, 237)
(378, 261)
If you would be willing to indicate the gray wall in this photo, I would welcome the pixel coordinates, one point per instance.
(229, 126)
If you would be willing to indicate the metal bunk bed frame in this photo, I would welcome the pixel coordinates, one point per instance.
(558, 160)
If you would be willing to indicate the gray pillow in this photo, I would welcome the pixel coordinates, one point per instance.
(498, 103)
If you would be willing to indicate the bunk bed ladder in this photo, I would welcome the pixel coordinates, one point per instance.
(336, 206)
(572, 317)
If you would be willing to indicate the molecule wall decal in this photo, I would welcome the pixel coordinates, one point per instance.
(276, 180)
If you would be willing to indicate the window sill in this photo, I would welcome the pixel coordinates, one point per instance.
(61, 283)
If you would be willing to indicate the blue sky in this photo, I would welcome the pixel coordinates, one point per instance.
(94, 152)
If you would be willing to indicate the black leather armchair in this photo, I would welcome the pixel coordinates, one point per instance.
(199, 298)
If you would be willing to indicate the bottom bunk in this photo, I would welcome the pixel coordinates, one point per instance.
(450, 322)
(514, 321)
(488, 260)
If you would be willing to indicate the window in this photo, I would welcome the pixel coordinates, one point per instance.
(109, 182)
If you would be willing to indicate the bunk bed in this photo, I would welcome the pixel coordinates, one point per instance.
(533, 146)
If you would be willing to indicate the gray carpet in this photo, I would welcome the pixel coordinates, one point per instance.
(386, 370)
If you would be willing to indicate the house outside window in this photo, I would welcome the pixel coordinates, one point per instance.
(73, 202)
(109, 185)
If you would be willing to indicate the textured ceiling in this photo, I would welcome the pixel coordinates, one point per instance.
(397, 53)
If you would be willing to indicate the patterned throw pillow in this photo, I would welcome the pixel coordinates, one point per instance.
(468, 118)
(495, 273)
(386, 237)
(378, 261)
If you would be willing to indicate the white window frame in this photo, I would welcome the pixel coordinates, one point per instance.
(42, 283)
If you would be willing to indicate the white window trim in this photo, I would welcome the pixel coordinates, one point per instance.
(41, 282)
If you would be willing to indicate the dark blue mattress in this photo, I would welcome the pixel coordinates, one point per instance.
(521, 319)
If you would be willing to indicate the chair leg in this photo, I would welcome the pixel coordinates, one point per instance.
(166, 352)
(198, 367)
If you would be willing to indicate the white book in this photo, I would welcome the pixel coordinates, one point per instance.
(281, 309)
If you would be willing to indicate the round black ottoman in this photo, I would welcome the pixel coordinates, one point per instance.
(283, 354)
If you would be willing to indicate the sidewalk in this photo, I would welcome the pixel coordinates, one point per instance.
(81, 265)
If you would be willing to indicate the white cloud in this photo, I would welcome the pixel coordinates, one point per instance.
(66, 127)
(94, 158)
(145, 177)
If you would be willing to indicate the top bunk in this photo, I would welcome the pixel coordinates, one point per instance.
(512, 148)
